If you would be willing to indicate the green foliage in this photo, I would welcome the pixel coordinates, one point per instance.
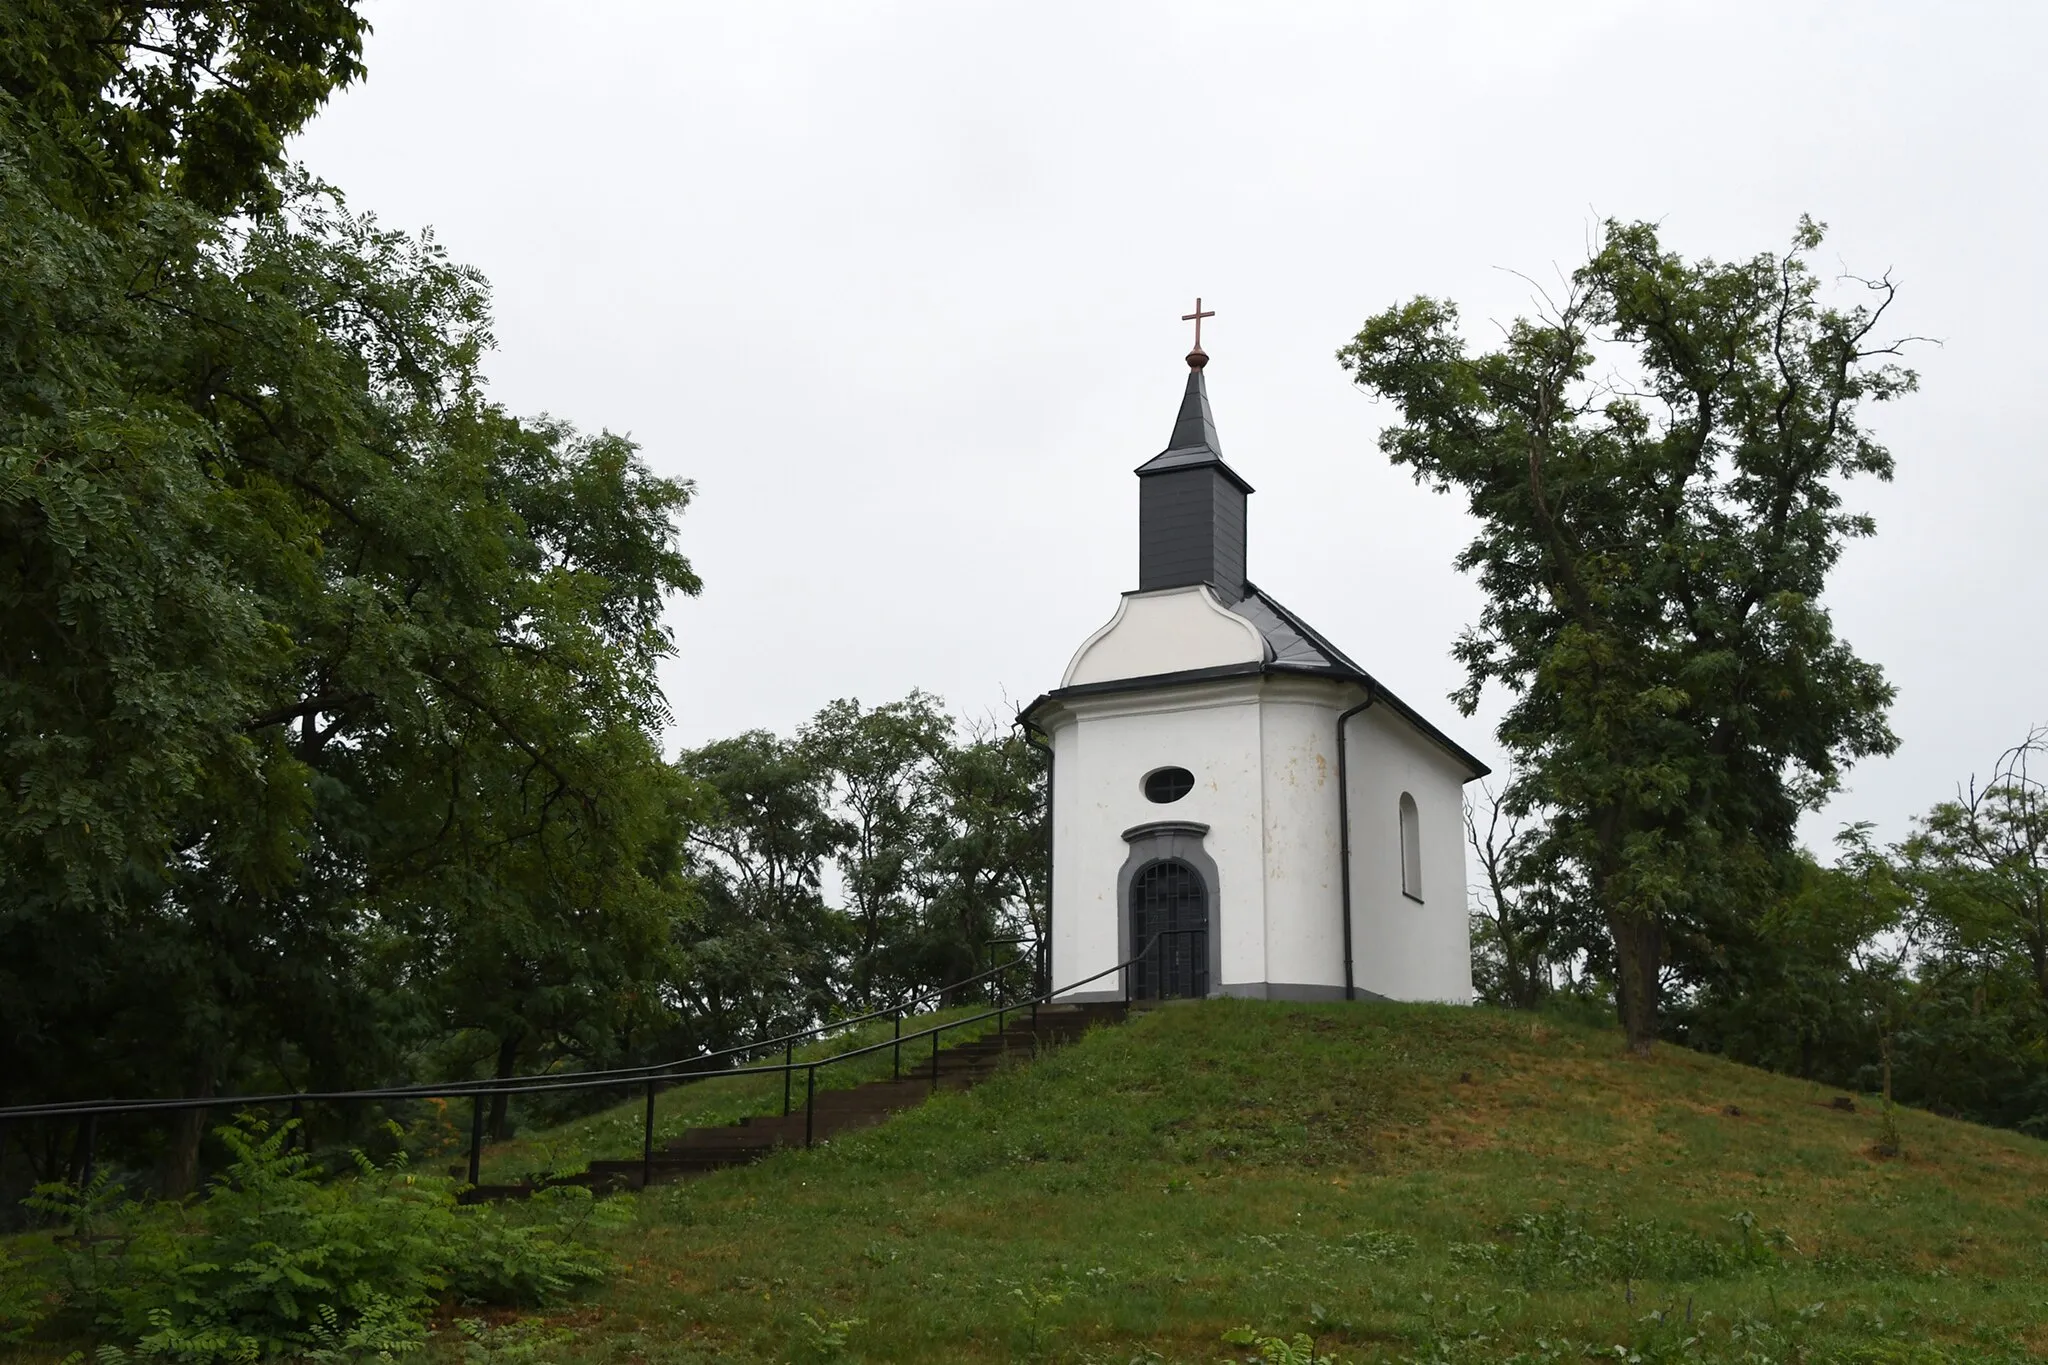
(327, 699)
(1653, 551)
(1266, 1349)
(760, 947)
(27, 1294)
(508, 1343)
(275, 1261)
(939, 837)
(1534, 932)
(1914, 970)
(1571, 1247)
(878, 764)
(1981, 864)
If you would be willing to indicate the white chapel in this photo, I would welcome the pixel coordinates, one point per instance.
(1232, 796)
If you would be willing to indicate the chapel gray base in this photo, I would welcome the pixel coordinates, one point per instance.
(1297, 992)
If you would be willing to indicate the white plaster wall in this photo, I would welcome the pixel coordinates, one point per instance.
(1401, 949)
(1103, 747)
(1168, 631)
(1304, 902)
(1263, 752)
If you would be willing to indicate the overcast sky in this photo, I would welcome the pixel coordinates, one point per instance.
(899, 287)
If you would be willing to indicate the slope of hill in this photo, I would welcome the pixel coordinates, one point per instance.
(1395, 1181)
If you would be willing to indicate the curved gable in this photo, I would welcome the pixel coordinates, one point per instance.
(1166, 632)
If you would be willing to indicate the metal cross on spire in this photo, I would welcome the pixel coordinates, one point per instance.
(1198, 357)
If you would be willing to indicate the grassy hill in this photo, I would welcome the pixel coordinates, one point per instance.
(1397, 1181)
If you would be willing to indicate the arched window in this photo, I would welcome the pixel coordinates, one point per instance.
(1411, 849)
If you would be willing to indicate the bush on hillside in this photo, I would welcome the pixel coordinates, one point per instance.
(275, 1261)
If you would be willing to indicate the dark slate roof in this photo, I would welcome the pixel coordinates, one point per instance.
(1295, 646)
(1292, 647)
(1193, 444)
(1290, 642)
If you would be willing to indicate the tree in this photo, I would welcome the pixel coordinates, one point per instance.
(1983, 858)
(879, 764)
(196, 98)
(1527, 921)
(980, 874)
(321, 670)
(760, 948)
(1808, 987)
(1653, 549)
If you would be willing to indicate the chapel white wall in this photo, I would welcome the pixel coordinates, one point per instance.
(1402, 949)
(1304, 903)
(1103, 749)
(1263, 755)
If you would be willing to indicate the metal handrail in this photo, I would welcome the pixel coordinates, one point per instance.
(487, 1086)
(651, 1076)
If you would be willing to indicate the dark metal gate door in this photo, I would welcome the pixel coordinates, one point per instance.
(1169, 900)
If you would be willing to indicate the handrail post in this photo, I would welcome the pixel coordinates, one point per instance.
(647, 1140)
(810, 1102)
(935, 1059)
(476, 1136)
(788, 1060)
(87, 1137)
(896, 1067)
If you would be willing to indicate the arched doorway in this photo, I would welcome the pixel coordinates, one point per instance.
(1169, 900)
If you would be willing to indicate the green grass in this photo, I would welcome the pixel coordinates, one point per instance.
(1399, 1181)
(617, 1131)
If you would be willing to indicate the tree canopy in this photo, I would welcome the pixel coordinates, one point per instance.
(323, 673)
(1655, 463)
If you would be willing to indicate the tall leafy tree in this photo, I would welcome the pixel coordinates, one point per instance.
(980, 873)
(879, 764)
(1655, 463)
(760, 949)
(1983, 858)
(1529, 922)
(328, 685)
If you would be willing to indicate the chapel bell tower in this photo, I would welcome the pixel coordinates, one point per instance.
(1191, 505)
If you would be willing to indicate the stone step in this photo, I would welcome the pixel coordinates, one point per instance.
(837, 1111)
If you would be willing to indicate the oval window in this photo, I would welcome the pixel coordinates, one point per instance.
(1168, 784)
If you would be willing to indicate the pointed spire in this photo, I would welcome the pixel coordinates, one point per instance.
(1195, 428)
(1193, 443)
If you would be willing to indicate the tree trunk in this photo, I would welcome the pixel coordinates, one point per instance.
(1638, 960)
(2037, 949)
(1888, 1143)
(1529, 977)
(188, 1130)
(508, 1053)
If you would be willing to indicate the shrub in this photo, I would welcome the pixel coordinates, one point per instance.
(26, 1296)
(275, 1261)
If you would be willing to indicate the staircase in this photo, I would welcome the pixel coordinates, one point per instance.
(958, 1067)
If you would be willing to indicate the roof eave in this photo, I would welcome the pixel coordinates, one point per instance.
(1224, 672)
